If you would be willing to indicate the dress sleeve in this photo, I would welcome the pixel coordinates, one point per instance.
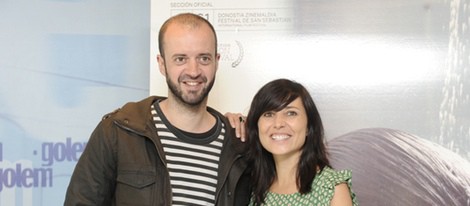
(329, 178)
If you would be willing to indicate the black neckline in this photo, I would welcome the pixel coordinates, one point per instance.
(190, 137)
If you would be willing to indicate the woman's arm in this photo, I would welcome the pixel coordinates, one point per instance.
(342, 197)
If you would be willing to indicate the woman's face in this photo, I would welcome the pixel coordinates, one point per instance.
(283, 132)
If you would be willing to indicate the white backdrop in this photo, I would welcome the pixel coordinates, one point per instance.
(400, 64)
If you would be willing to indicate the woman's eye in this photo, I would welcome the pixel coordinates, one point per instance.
(291, 113)
(268, 114)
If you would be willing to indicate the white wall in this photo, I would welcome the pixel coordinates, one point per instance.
(396, 64)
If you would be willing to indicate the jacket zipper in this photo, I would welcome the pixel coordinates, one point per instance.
(225, 179)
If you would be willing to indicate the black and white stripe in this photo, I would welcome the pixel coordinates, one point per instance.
(193, 166)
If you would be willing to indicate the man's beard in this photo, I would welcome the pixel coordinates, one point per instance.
(196, 101)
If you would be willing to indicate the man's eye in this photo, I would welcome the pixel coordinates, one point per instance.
(205, 60)
(180, 60)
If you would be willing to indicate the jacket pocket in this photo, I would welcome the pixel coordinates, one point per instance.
(135, 187)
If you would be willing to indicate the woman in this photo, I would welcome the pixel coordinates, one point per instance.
(290, 165)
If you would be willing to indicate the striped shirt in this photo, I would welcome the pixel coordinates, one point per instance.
(192, 160)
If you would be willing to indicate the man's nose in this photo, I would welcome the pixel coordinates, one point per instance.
(193, 68)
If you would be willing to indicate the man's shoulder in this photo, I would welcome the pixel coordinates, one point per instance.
(134, 107)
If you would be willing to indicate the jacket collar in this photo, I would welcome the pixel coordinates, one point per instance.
(136, 115)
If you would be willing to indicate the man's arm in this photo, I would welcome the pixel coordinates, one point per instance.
(237, 121)
(92, 182)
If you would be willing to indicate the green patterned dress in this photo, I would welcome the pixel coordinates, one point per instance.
(323, 188)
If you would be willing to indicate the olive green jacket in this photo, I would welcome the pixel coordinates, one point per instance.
(124, 163)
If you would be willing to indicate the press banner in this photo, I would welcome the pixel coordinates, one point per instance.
(394, 72)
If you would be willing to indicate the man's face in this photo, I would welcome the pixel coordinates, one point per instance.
(190, 62)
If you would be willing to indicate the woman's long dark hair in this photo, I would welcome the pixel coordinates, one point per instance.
(275, 96)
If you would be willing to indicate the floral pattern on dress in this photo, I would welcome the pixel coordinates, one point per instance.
(323, 188)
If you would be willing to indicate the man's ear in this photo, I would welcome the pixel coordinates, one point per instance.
(161, 64)
(217, 59)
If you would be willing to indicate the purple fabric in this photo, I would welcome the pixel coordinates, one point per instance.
(392, 167)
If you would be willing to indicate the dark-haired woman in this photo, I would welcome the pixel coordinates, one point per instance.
(290, 164)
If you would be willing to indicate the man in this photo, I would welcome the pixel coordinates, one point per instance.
(167, 151)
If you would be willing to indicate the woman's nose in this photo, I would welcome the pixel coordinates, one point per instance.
(278, 121)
